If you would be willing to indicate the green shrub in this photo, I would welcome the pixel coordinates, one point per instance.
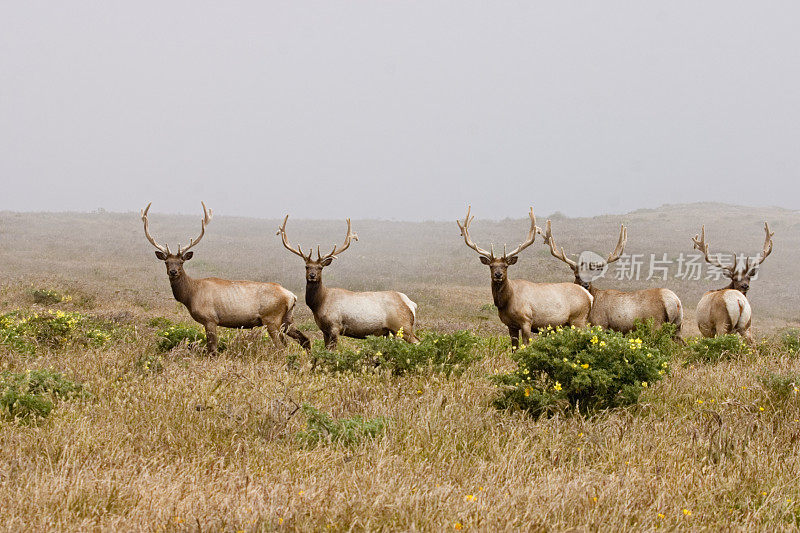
(159, 322)
(33, 394)
(191, 335)
(448, 354)
(661, 338)
(585, 369)
(150, 363)
(48, 297)
(715, 349)
(790, 339)
(322, 428)
(780, 387)
(25, 333)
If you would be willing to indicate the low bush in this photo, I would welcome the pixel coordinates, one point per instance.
(172, 335)
(661, 338)
(48, 297)
(150, 364)
(584, 369)
(25, 333)
(33, 394)
(322, 428)
(780, 387)
(715, 349)
(448, 354)
(790, 339)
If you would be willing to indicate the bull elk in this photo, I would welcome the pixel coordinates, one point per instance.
(352, 314)
(524, 306)
(619, 310)
(216, 302)
(727, 310)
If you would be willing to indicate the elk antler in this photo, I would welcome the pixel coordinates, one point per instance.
(464, 226)
(765, 251)
(554, 251)
(282, 232)
(207, 214)
(529, 240)
(700, 244)
(349, 237)
(164, 248)
(623, 239)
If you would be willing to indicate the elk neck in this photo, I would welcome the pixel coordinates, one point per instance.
(315, 295)
(501, 293)
(183, 288)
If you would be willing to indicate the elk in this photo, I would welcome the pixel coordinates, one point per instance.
(619, 310)
(727, 310)
(214, 302)
(352, 314)
(524, 306)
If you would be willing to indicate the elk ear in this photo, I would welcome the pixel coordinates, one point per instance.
(187, 256)
(161, 255)
(327, 261)
(484, 260)
(511, 260)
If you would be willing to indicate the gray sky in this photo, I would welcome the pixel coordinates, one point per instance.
(404, 110)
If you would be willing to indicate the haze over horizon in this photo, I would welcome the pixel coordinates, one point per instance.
(398, 111)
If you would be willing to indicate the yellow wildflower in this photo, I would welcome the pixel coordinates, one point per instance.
(557, 386)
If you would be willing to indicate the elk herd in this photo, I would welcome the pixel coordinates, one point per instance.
(524, 307)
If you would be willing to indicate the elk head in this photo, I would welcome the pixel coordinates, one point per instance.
(314, 266)
(175, 261)
(498, 266)
(739, 273)
(584, 272)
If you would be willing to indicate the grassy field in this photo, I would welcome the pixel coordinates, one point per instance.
(177, 441)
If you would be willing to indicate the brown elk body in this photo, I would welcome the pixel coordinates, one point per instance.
(214, 302)
(351, 314)
(727, 310)
(619, 310)
(524, 306)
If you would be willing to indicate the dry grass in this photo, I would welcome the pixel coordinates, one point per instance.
(209, 444)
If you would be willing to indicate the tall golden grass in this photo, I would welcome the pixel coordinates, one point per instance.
(209, 444)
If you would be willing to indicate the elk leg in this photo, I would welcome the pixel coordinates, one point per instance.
(211, 338)
(526, 334)
(331, 339)
(514, 332)
(275, 335)
(299, 336)
(723, 328)
(748, 336)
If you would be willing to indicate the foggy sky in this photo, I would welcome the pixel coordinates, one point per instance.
(402, 110)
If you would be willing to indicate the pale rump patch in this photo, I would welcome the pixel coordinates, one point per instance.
(738, 310)
(411, 305)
